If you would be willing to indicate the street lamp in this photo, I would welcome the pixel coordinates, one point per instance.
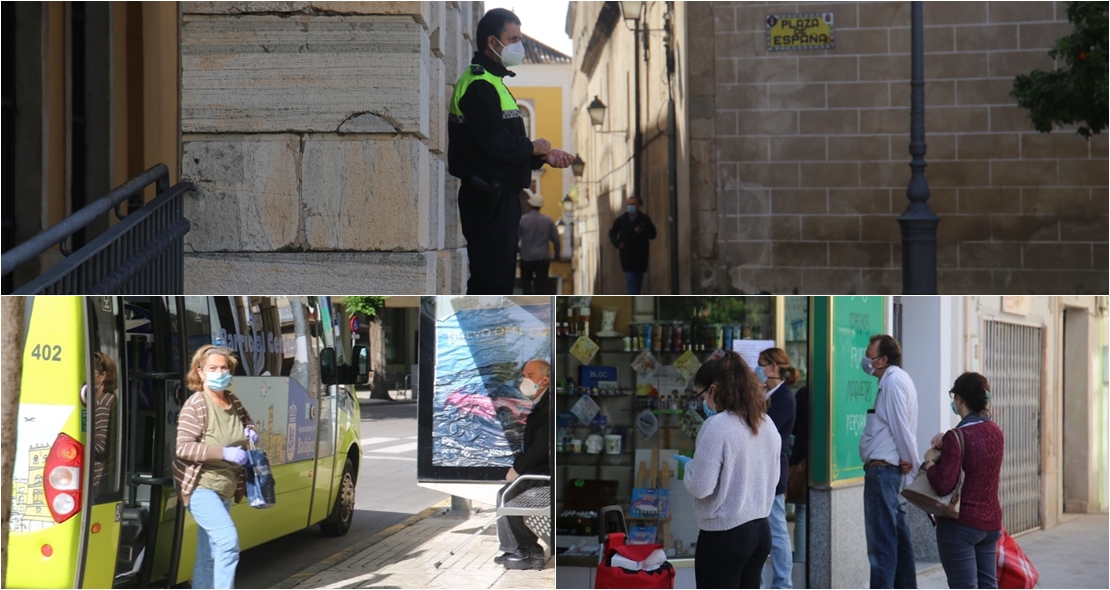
(578, 166)
(632, 10)
(568, 204)
(918, 222)
(597, 112)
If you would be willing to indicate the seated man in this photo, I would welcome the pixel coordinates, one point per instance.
(521, 551)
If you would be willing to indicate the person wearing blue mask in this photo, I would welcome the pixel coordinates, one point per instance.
(212, 433)
(732, 475)
(488, 149)
(888, 448)
(774, 370)
(632, 233)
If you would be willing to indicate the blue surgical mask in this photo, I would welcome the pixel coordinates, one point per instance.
(218, 381)
(631, 209)
(954, 410)
(760, 374)
(708, 411)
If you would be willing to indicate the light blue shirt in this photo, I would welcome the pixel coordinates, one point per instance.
(890, 433)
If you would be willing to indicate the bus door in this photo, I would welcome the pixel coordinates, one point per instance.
(102, 406)
(155, 391)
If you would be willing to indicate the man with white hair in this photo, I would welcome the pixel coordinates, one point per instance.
(521, 551)
(536, 230)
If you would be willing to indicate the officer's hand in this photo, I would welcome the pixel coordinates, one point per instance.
(541, 147)
(639, 229)
(559, 159)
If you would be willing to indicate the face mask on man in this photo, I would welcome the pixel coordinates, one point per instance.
(529, 388)
(631, 209)
(512, 54)
(218, 380)
(867, 365)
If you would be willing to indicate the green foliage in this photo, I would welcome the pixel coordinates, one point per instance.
(1077, 91)
(365, 305)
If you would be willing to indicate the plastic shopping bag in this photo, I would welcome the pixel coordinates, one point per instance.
(260, 481)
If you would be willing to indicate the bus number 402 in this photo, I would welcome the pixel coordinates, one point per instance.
(46, 352)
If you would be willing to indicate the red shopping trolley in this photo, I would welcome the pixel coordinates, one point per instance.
(613, 544)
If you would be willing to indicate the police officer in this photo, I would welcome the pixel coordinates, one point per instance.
(489, 151)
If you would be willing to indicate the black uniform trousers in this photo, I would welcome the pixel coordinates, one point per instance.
(491, 246)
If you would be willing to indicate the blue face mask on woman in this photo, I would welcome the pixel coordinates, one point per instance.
(760, 374)
(708, 411)
(217, 381)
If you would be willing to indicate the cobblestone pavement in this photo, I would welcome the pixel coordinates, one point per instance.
(404, 556)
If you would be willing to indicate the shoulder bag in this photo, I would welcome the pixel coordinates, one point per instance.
(920, 492)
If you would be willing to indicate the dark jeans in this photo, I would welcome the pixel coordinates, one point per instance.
(732, 558)
(491, 246)
(634, 281)
(512, 533)
(533, 276)
(889, 548)
(968, 555)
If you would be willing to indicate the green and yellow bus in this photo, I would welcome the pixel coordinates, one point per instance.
(93, 501)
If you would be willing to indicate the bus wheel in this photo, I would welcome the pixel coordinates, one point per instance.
(339, 521)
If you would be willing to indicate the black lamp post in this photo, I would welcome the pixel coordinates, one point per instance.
(597, 111)
(918, 222)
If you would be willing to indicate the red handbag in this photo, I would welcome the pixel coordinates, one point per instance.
(1014, 568)
(609, 576)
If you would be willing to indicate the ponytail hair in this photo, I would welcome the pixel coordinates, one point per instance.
(781, 360)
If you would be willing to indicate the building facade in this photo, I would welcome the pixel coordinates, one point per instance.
(790, 167)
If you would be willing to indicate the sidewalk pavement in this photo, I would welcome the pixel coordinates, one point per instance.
(403, 556)
(1073, 554)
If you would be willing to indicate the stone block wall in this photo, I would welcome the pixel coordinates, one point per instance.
(316, 135)
(811, 156)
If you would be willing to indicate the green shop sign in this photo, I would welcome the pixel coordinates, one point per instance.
(841, 392)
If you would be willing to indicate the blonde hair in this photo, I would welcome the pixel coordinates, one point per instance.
(193, 380)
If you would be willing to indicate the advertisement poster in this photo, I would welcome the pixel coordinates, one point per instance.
(481, 346)
(284, 416)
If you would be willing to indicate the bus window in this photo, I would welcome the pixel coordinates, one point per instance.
(104, 401)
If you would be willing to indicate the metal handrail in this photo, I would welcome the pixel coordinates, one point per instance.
(159, 174)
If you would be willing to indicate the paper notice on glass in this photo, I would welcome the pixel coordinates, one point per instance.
(645, 363)
(671, 381)
(584, 350)
(687, 365)
(585, 409)
(749, 350)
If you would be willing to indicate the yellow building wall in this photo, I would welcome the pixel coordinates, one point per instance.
(548, 101)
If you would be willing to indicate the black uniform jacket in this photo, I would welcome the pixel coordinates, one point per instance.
(634, 255)
(535, 458)
(487, 144)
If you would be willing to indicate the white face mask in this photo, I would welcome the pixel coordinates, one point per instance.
(511, 55)
(529, 388)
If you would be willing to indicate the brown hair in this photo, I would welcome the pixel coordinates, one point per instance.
(104, 364)
(779, 357)
(974, 389)
(889, 348)
(193, 380)
(738, 389)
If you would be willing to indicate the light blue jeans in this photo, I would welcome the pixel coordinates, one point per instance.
(800, 520)
(217, 540)
(779, 574)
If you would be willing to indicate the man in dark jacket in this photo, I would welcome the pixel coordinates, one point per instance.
(521, 551)
(489, 151)
(631, 234)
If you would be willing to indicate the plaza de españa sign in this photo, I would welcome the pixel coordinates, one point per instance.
(787, 32)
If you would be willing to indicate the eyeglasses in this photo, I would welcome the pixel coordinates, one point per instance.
(701, 394)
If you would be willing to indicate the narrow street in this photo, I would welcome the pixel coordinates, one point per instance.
(386, 495)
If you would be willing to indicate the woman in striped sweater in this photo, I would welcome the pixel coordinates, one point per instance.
(212, 433)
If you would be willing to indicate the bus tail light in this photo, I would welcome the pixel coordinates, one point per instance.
(63, 477)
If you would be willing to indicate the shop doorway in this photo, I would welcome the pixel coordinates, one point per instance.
(1013, 363)
(1080, 490)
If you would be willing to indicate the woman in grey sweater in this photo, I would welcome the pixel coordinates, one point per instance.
(732, 475)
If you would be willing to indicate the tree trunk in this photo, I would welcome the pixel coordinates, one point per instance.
(379, 389)
(11, 352)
